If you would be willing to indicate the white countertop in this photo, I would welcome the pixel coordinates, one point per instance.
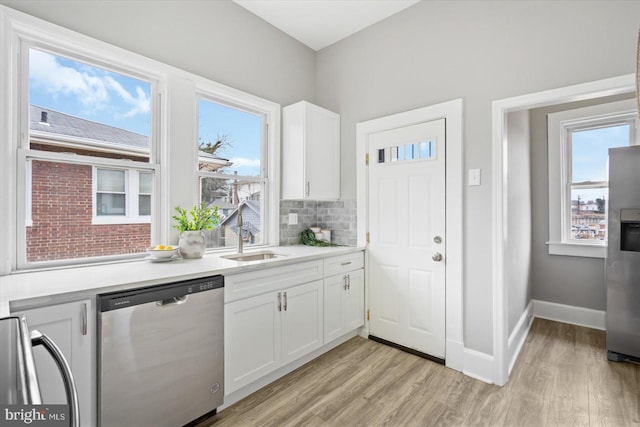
(36, 288)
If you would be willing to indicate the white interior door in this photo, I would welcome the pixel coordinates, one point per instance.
(406, 203)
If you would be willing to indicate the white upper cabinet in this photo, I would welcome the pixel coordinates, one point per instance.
(310, 152)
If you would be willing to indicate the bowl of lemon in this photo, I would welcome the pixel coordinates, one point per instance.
(162, 252)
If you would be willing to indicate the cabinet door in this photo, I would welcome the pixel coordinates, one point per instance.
(334, 296)
(322, 153)
(354, 301)
(301, 320)
(253, 340)
(310, 152)
(71, 326)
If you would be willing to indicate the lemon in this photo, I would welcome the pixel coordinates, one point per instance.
(168, 248)
(160, 247)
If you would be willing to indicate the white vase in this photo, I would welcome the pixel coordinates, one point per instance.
(192, 244)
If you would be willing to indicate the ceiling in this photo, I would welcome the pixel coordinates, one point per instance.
(320, 23)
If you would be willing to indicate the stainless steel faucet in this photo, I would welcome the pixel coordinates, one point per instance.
(239, 226)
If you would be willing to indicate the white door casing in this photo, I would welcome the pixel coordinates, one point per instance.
(506, 349)
(452, 112)
(407, 236)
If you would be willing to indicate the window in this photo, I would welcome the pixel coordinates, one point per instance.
(88, 162)
(231, 171)
(84, 144)
(111, 195)
(122, 196)
(579, 141)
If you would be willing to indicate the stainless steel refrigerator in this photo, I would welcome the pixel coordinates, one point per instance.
(623, 255)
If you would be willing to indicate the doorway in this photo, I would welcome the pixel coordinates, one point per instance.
(407, 239)
(381, 132)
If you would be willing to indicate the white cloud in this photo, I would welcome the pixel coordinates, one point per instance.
(92, 91)
(241, 161)
(139, 103)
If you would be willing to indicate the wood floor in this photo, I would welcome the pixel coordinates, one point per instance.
(562, 378)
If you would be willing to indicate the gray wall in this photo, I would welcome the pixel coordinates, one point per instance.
(218, 40)
(480, 51)
(569, 280)
(518, 243)
(432, 52)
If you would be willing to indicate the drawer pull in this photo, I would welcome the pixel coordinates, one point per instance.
(345, 263)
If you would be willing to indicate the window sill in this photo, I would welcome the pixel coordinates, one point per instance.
(114, 220)
(587, 250)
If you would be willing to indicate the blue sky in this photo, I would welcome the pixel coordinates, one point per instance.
(96, 94)
(244, 132)
(89, 92)
(590, 153)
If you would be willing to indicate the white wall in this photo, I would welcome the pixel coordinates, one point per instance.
(480, 51)
(518, 244)
(218, 40)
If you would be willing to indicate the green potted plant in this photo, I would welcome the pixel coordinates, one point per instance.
(191, 225)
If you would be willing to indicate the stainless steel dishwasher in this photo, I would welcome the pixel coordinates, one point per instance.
(160, 355)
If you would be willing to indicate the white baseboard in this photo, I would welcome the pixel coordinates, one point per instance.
(519, 334)
(569, 314)
(478, 365)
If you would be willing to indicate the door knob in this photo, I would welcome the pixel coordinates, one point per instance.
(437, 257)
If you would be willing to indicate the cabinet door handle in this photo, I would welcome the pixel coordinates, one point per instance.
(279, 302)
(285, 301)
(308, 188)
(344, 282)
(84, 319)
(348, 281)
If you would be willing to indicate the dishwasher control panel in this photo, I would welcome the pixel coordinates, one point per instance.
(162, 292)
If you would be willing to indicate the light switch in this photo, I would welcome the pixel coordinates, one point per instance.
(293, 218)
(474, 177)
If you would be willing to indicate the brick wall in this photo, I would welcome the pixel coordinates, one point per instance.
(61, 213)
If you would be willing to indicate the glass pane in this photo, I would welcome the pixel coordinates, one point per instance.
(229, 140)
(144, 204)
(427, 150)
(381, 155)
(395, 154)
(111, 180)
(590, 151)
(145, 182)
(411, 151)
(227, 194)
(589, 214)
(61, 217)
(110, 204)
(91, 106)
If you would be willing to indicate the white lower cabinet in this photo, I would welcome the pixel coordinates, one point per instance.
(71, 326)
(265, 332)
(343, 304)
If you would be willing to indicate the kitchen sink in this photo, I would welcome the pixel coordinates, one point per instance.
(253, 256)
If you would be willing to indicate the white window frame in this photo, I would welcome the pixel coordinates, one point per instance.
(131, 191)
(21, 32)
(173, 127)
(559, 127)
(270, 154)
